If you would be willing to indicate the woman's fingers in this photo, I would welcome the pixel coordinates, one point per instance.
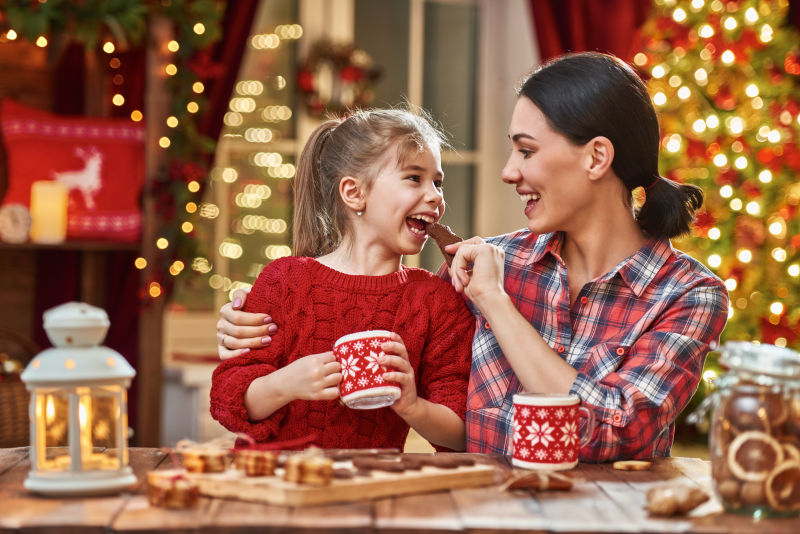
(236, 318)
(239, 298)
(225, 354)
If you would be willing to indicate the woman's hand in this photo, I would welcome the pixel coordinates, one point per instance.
(477, 270)
(313, 377)
(395, 355)
(238, 331)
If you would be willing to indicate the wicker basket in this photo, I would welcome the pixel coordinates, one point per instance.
(14, 397)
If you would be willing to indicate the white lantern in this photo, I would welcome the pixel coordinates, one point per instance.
(78, 408)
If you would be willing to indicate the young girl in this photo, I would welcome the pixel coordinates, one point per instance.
(364, 191)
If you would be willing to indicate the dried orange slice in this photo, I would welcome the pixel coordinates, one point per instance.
(753, 455)
(745, 411)
(783, 486)
(790, 451)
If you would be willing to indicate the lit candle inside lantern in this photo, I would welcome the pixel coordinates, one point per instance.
(48, 212)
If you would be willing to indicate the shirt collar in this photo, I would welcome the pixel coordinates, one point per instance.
(637, 270)
(547, 244)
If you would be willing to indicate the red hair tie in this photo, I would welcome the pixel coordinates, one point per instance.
(652, 184)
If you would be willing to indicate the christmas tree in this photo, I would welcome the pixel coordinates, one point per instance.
(725, 79)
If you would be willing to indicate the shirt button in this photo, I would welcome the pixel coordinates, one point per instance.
(561, 349)
(620, 351)
(584, 300)
(617, 418)
(486, 326)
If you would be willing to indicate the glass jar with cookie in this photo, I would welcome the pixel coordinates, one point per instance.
(754, 440)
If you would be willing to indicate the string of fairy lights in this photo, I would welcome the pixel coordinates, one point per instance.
(725, 79)
(254, 121)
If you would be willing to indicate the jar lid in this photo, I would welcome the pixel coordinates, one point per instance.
(764, 359)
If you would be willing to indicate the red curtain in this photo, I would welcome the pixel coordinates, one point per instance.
(581, 25)
(600, 25)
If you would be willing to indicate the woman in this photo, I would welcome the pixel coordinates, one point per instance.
(590, 298)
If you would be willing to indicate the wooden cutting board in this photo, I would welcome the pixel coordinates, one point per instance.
(234, 484)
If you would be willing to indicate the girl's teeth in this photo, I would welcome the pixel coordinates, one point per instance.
(529, 197)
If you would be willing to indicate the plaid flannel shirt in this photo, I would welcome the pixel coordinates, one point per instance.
(637, 336)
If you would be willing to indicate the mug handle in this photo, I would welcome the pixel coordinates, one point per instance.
(591, 422)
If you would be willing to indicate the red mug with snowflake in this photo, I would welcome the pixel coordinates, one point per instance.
(362, 386)
(546, 430)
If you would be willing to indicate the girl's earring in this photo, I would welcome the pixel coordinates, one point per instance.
(359, 213)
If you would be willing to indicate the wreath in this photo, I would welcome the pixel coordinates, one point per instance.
(336, 78)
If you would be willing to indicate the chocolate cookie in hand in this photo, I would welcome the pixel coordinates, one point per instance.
(443, 237)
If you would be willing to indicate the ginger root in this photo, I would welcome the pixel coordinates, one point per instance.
(672, 499)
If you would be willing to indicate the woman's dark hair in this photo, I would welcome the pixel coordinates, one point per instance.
(590, 94)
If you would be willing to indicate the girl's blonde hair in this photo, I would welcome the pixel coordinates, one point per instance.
(357, 146)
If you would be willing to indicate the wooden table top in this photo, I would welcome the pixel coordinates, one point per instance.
(602, 500)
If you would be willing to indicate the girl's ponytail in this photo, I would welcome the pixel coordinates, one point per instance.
(313, 214)
(668, 210)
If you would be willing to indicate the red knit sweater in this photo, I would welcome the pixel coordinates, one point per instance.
(313, 305)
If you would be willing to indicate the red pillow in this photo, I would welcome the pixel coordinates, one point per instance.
(100, 161)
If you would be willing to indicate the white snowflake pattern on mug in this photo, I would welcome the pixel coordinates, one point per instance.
(376, 343)
(540, 433)
(372, 362)
(541, 455)
(569, 433)
(358, 345)
(560, 413)
(517, 431)
(349, 367)
(524, 452)
(541, 413)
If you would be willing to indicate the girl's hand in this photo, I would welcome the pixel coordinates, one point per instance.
(396, 356)
(238, 331)
(478, 269)
(313, 377)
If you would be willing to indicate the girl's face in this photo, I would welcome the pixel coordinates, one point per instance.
(548, 171)
(402, 199)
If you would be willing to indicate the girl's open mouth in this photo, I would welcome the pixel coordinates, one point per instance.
(417, 223)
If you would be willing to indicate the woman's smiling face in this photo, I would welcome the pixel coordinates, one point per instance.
(547, 170)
